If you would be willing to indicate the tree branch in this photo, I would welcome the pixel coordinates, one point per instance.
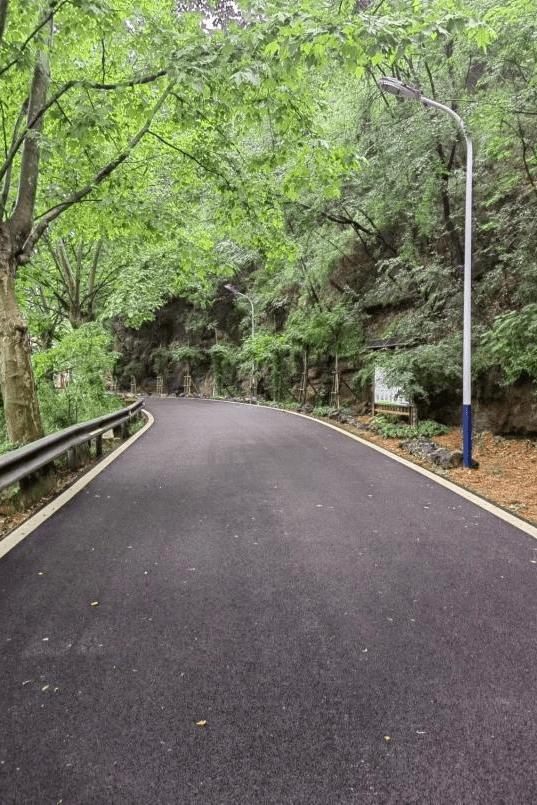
(55, 98)
(54, 8)
(3, 17)
(78, 195)
(67, 271)
(31, 123)
(93, 269)
(7, 177)
(29, 169)
(348, 220)
(56, 262)
(134, 82)
(525, 149)
(446, 205)
(192, 157)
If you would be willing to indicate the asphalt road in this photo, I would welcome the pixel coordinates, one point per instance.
(349, 631)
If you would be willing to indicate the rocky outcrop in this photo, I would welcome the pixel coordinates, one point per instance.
(505, 409)
(495, 407)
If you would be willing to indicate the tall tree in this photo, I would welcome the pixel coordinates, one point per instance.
(39, 84)
(70, 280)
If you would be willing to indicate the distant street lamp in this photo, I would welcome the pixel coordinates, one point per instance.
(235, 292)
(397, 87)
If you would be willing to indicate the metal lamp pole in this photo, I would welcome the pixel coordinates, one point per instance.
(397, 87)
(235, 292)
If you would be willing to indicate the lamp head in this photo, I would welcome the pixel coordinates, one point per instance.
(397, 87)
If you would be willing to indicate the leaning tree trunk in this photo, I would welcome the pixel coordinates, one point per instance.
(23, 420)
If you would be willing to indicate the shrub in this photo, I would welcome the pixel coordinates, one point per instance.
(84, 352)
(512, 341)
(390, 429)
(224, 359)
(322, 410)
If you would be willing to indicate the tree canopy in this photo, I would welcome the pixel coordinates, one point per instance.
(158, 150)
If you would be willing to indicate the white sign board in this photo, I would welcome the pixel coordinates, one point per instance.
(385, 393)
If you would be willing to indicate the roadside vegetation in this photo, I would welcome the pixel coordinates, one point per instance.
(150, 158)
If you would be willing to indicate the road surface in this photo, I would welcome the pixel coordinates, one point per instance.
(249, 607)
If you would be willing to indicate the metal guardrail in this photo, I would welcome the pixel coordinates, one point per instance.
(25, 461)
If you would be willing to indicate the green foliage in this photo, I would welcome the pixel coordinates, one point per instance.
(160, 359)
(363, 378)
(5, 445)
(224, 359)
(277, 160)
(186, 354)
(512, 342)
(271, 351)
(85, 354)
(423, 369)
(67, 279)
(326, 332)
(322, 410)
(390, 429)
(133, 369)
(291, 406)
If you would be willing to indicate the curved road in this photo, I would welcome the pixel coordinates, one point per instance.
(249, 607)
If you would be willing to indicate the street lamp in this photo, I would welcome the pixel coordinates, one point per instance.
(235, 292)
(397, 87)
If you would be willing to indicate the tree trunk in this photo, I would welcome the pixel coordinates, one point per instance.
(23, 420)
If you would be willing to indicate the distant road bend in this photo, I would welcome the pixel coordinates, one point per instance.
(249, 607)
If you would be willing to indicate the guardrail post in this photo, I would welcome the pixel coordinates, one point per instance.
(99, 445)
(72, 458)
(37, 484)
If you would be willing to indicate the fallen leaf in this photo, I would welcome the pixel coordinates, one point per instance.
(201, 723)
(387, 738)
(94, 604)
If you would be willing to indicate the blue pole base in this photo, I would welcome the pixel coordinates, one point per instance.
(467, 436)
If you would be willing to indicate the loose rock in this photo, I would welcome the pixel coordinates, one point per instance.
(426, 448)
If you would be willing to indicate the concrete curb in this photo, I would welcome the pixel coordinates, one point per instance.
(24, 530)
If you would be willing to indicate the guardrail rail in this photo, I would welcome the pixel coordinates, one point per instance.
(23, 464)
